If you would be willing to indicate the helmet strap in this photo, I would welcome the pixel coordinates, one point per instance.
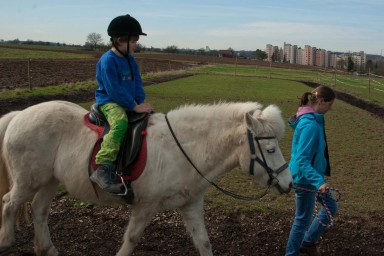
(125, 56)
(128, 59)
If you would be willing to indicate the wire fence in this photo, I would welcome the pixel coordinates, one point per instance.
(365, 86)
(29, 73)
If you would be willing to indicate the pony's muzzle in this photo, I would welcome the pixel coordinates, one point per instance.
(284, 191)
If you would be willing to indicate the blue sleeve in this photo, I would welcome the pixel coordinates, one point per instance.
(308, 141)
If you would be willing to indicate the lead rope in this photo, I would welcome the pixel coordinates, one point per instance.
(322, 196)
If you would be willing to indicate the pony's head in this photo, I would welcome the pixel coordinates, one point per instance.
(263, 157)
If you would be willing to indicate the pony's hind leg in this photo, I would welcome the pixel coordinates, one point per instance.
(11, 204)
(193, 216)
(40, 206)
(140, 217)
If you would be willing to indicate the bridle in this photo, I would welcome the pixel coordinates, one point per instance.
(271, 173)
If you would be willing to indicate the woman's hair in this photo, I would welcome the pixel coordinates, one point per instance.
(321, 91)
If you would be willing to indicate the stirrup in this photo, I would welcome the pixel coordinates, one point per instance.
(125, 186)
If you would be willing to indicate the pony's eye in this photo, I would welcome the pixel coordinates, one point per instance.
(272, 150)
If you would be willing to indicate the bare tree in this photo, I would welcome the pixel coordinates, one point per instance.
(94, 40)
(171, 49)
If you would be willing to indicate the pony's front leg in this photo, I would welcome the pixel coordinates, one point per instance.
(7, 231)
(193, 215)
(11, 203)
(141, 216)
(41, 205)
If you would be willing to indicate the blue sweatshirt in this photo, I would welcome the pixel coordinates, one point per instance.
(308, 163)
(115, 81)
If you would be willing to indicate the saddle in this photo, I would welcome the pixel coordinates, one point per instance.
(130, 148)
(132, 157)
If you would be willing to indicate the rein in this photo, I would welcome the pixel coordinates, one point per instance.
(317, 201)
(229, 193)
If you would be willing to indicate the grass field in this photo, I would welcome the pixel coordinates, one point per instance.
(40, 52)
(368, 88)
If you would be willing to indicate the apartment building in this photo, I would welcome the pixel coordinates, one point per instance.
(269, 52)
(310, 55)
(273, 51)
(290, 53)
(287, 50)
(358, 58)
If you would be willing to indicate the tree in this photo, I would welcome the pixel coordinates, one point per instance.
(351, 65)
(274, 58)
(94, 40)
(260, 55)
(341, 63)
(171, 49)
(140, 48)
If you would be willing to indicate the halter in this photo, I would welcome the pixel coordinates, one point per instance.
(271, 173)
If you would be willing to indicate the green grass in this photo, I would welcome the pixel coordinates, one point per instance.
(8, 53)
(43, 47)
(215, 88)
(370, 89)
(24, 93)
(259, 71)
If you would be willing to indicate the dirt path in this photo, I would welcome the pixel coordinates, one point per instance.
(99, 231)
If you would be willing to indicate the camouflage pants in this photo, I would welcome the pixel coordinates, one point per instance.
(118, 122)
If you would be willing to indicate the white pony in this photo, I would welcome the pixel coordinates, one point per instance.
(48, 144)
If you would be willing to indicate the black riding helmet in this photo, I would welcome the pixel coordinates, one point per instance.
(124, 25)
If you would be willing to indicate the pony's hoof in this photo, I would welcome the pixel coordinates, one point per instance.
(7, 250)
(51, 251)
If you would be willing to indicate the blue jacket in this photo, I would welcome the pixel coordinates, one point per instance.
(115, 81)
(308, 162)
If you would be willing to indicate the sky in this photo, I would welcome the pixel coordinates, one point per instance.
(333, 25)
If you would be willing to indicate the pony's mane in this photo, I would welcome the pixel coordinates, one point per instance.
(233, 113)
(222, 110)
(272, 120)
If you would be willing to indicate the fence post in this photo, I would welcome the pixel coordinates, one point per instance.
(369, 83)
(29, 74)
(236, 66)
(334, 83)
(270, 68)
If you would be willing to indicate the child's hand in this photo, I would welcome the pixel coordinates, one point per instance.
(143, 108)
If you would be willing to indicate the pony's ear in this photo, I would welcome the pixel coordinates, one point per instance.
(252, 123)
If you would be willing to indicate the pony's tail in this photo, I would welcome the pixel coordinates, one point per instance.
(5, 182)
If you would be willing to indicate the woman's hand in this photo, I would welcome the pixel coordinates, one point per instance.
(324, 188)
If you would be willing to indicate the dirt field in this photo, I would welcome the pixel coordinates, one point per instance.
(99, 231)
(14, 73)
